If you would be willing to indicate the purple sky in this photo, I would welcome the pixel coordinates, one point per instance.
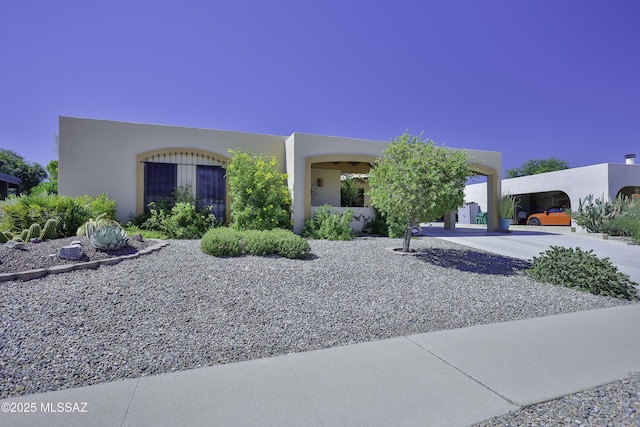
(532, 79)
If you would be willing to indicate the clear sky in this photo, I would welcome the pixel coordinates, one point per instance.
(529, 78)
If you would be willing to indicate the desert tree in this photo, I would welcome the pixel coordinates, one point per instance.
(536, 166)
(417, 181)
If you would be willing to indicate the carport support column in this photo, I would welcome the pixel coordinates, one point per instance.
(493, 194)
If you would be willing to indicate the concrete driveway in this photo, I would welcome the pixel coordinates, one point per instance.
(526, 242)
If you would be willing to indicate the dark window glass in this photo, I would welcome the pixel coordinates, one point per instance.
(211, 190)
(160, 181)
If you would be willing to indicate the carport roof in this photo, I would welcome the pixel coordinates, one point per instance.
(10, 179)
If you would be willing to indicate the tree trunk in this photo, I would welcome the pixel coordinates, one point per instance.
(407, 239)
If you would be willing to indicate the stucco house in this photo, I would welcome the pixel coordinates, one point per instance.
(136, 163)
(566, 187)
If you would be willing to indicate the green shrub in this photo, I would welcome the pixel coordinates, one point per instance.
(378, 226)
(47, 187)
(625, 223)
(259, 242)
(575, 268)
(97, 205)
(329, 224)
(259, 194)
(291, 245)
(595, 215)
(183, 221)
(18, 213)
(224, 241)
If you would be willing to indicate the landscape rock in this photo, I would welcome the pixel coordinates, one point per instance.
(12, 244)
(138, 238)
(72, 252)
(35, 240)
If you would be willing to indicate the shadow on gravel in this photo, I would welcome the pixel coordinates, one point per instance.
(473, 261)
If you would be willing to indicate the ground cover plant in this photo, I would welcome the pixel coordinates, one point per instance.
(327, 223)
(583, 270)
(229, 242)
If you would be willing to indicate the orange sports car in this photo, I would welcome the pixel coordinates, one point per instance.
(552, 216)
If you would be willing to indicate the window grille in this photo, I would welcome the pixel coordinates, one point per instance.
(167, 171)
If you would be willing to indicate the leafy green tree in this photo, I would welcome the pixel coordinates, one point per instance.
(14, 164)
(536, 166)
(50, 186)
(260, 196)
(415, 181)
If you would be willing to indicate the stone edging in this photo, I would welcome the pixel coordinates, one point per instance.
(64, 268)
(398, 251)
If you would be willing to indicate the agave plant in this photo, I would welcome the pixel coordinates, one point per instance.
(109, 238)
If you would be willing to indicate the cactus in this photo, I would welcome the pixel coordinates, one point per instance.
(49, 231)
(33, 232)
(3, 237)
(18, 238)
(23, 235)
(109, 238)
(92, 226)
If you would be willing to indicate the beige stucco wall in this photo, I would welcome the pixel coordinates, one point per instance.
(303, 150)
(329, 193)
(100, 155)
(605, 179)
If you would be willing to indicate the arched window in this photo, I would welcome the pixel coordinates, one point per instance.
(190, 172)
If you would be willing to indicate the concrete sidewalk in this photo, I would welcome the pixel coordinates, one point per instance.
(448, 378)
(525, 242)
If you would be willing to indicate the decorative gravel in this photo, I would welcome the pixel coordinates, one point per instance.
(613, 404)
(44, 254)
(178, 308)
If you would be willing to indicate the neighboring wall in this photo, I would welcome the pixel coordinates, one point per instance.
(100, 155)
(604, 179)
(621, 176)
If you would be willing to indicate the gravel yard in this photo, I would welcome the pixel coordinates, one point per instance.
(178, 308)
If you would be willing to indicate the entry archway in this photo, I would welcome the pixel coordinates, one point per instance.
(323, 182)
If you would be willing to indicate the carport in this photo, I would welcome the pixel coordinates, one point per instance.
(9, 185)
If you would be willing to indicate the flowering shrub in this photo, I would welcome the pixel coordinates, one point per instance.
(260, 196)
